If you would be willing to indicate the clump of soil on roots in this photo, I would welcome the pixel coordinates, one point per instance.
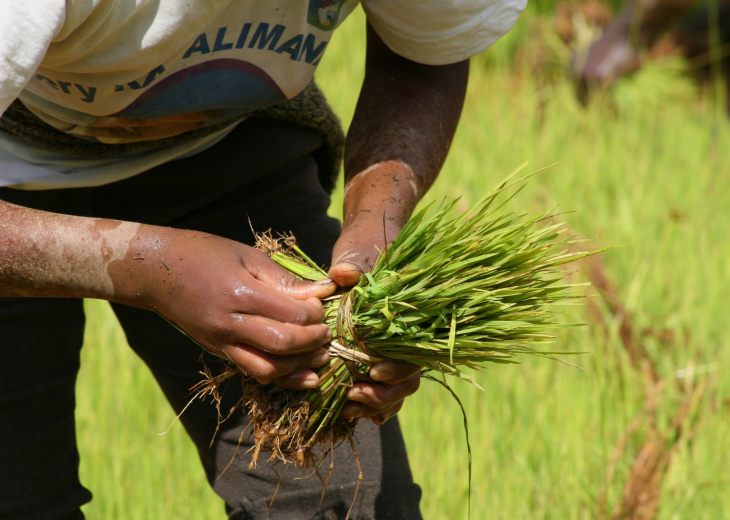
(280, 420)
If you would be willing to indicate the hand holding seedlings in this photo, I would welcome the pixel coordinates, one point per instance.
(378, 203)
(252, 312)
(451, 293)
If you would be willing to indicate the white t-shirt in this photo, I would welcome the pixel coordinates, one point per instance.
(121, 71)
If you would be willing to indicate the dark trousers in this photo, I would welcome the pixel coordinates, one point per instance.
(263, 173)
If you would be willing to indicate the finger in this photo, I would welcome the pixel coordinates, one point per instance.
(380, 418)
(273, 275)
(354, 254)
(379, 397)
(393, 371)
(378, 202)
(277, 338)
(345, 274)
(287, 371)
(254, 297)
(357, 250)
(353, 410)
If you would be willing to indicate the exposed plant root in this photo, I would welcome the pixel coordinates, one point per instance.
(359, 475)
(281, 420)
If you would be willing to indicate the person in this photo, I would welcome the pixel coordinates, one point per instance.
(139, 144)
(643, 25)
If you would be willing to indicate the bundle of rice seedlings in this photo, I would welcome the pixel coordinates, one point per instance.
(451, 292)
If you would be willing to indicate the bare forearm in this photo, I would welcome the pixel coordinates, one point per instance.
(46, 254)
(51, 255)
(401, 132)
(407, 112)
(404, 122)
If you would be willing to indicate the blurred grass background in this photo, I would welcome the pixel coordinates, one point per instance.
(548, 440)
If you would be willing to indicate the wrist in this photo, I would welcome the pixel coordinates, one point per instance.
(388, 191)
(147, 274)
(378, 202)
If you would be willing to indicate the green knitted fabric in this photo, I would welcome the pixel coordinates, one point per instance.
(308, 109)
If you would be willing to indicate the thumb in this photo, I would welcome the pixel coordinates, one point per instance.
(345, 274)
(303, 289)
(354, 254)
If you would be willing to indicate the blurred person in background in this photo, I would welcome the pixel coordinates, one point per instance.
(652, 28)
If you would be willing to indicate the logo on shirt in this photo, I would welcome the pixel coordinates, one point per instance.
(324, 14)
(208, 93)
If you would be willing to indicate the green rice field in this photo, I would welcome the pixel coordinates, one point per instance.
(642, 429)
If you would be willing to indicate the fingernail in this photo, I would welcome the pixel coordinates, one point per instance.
(352, 412)
(309, 382)
(321, 359)
(379, 419)
(323, 282)
(383, 371)
(354, 392)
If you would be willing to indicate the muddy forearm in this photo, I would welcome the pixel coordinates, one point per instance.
(407, 113)
(52, 255)
(404, 122)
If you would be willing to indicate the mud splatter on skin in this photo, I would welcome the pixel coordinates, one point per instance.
(378, 202)
(51, 255)
(99, 227)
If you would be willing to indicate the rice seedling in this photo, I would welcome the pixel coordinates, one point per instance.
(452, 292)
(659, 82)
